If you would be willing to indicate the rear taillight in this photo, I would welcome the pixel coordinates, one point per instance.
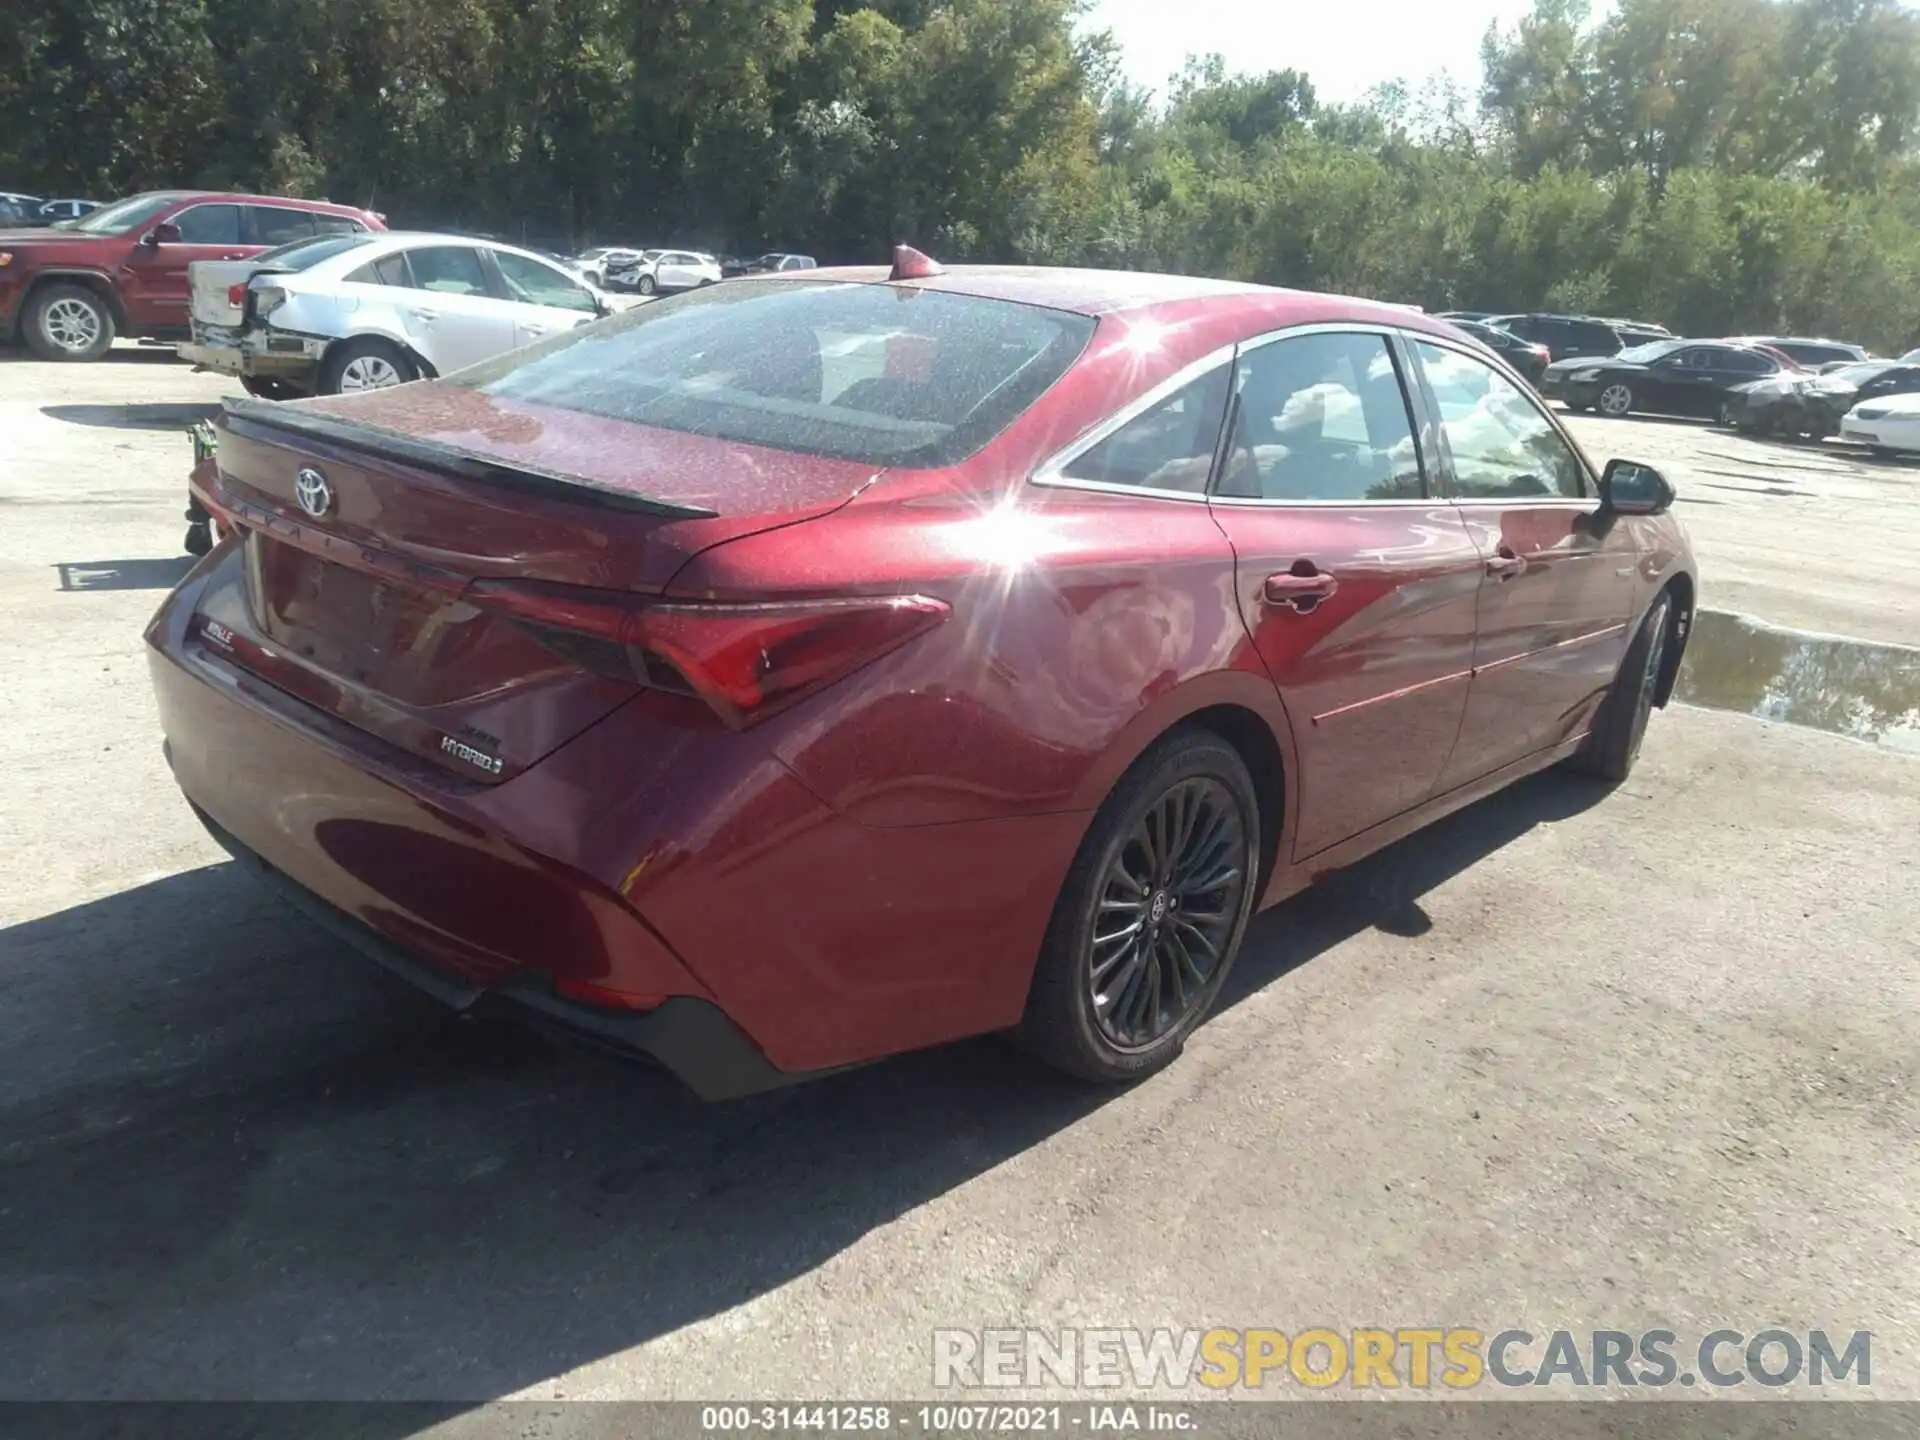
(237, 294)
(267, 299)
(746, 661)
(1540, 352)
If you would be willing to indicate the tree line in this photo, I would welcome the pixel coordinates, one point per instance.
(1719, 165)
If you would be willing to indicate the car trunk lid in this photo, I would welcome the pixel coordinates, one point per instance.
(210, 283)
(371, 525)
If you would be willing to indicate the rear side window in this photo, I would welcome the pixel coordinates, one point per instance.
(874, 373)
(1321, 417)
(1747, 362)
(273, 225)
(1168, 446)
(337, 225)
(1599, 338)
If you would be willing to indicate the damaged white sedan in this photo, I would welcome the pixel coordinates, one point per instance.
(361, 312)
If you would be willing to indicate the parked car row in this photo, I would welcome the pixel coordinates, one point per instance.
(25, 211)
(1847, 401)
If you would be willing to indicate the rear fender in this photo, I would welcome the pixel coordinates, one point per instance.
(1237, 688)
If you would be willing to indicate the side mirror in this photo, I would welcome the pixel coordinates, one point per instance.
(1629, 488)
(165, 233)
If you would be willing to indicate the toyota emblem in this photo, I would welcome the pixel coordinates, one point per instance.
(313, 492)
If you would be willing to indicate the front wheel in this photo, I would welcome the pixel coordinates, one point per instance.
(68, 322)
(647, 285)
(1614, 742)
(1150, 918)
(1616, 400)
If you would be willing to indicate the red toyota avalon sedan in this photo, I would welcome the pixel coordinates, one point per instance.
(819, 666)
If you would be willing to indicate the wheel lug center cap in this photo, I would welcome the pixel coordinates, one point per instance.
(1158, 911)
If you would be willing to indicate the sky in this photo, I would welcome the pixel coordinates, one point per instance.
(1345, 46)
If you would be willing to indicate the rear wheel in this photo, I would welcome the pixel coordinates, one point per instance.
(1150, 919)
(68, 322)
(366, 364)
(1616, 399)
(1614, 742)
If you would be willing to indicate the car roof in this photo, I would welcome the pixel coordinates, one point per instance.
(1084, 292)
(238, 197)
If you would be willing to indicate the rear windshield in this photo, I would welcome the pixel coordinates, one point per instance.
(872, 373)
(300, 254)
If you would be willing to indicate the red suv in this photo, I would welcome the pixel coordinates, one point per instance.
(122, 270)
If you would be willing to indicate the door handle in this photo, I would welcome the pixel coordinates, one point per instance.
(428, 315)
(1505, 564)
(1299, 592)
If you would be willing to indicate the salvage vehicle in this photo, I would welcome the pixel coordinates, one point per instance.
(1811, 353)
(1793, 404)
(1666, 377)
(661, 272)
(68, 290)
(825, 665)
(360, 312)
(1885, 426)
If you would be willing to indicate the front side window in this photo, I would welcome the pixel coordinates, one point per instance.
(1169, 446)
(1501, 445)
(209, 225)
(532, 283)
(871, 373)
(447, 270)
(1321, 417)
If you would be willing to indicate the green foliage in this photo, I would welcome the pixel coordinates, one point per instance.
(1720, 165)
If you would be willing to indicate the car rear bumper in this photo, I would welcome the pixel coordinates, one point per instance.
(419, 878)
(690, 1037)
(229, 358)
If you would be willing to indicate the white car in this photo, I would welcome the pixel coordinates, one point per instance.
(595, 263)
(658, 271)
(364, 311)
(1887, 423)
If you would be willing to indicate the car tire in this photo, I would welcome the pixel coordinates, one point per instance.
(1109, 1008)
(355, 365)
(647, 285)
(68, 322)
(1615, 400)
(267, 387)
(1613, 744)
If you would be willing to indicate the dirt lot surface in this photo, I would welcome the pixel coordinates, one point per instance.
(1575, 1058)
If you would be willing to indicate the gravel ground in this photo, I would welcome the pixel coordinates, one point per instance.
(1573, 1058)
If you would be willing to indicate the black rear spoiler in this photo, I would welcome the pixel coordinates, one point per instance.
(450, 459)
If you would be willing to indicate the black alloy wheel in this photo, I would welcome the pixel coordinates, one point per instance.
(1168, 906)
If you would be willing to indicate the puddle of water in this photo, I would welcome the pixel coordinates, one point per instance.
(1851, 687)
